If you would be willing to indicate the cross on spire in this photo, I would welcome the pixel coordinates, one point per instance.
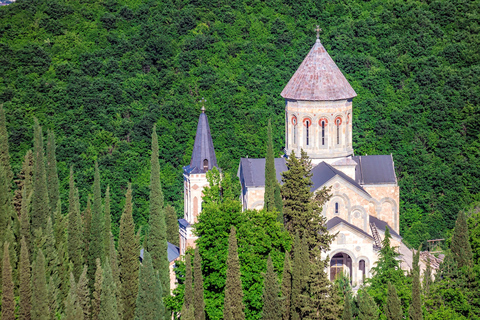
(203, 104)
(318, 32)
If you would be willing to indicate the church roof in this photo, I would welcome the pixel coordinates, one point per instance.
(337, 220)
(172, 250)
(202, 148)
(381, 225)
(318, 78)
(323, 172)
(252, 171)
(376, 169)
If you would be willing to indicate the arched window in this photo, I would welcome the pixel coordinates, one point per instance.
(323, 131)
(294, 122)
(205, 164)
(307, 123)
(338, 122)
(336, 207)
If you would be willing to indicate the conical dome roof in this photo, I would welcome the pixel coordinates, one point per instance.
(203, 155)
(318, 78)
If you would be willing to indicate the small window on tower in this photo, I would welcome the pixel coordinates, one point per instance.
(336, 207)
(205, 165)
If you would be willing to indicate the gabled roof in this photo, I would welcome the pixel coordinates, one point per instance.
(377, 169)
(381, 225)
(337, 220)
(183, 223)
(252, 171)
(202, 148)
(324, 172)
(318, 78)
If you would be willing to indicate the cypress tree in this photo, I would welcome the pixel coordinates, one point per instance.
(367, 308)
(286, 287)
(12, 249)
(52, 175)
(199, 302)
(25, 289)
(279, 202)
(300, 271)
(98, 291)
(128, 257)
(233, 305)
(188, 297)
(83, 293)
(415, 310)
(52, 267)
(172, 226)
(53, 293)
(75, 239)
(108, 298)
(73, 311)
(4, 154)
(427, 277)
(393, 308)
(8, 303)
(347, 309)
(149, 300)
(107, 228)
(5, 214)
(87, 223)
(270, 175)
(95, 247)
(157, 237)
(115, 275)
(40, 310)
(24, 181)
(460, 247)
(271, 303)
(25, 231)
(40, 205)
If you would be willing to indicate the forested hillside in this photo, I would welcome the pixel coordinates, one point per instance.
(99, 74)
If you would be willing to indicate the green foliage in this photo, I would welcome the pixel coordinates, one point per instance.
(128, 259)
(149, 301)
(270, 174)
(286, 287)
(367, 308)
(98, 291)
(52, 175)
(40, 206)
(8, 303)
(75, 239)
(198, 301)
(172, 225)
(83, 294)
(300, 271)
(39, 285)
(233, 304)
(108, 298)
(25, 287)
(73, 310)
(347, 308)
(188, 296)
(258, 234)
(271, 302)
(393, 306)
(461, 249)
(415, 311)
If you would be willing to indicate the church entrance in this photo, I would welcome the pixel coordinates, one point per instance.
(341, 263)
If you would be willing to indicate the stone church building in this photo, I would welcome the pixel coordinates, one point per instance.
(318, 119)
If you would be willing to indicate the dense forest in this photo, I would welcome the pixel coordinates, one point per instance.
(99, 74)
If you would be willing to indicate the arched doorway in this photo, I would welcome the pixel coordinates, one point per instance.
(341, 263)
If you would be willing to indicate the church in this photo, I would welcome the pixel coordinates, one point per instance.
(318, 119)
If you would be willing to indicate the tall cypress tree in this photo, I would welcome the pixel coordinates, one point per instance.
(83, 293)
(75, 237)
(233, 305)
(415, 310)
(25, 289)
(4, 154)
(8, 303)
(128, 256)
(270, 175)
(286, 287)
(87, 223)
(25, 231)
(95, 240)
(367, 308)
(53, 266)
(149, 300)
(461, 248)
(52, 175)
(24, 181)
(199, 302)
(40, 205)
(271, 303)
(5, 213)
(115, 275)
(98, 291)
(157, 237)
(300, 272)
(107, 228)
(40, 309)
(347, 308)
(279, 202)
(172, 226)
(427, 277)
(73, 311)
(108, 298)
(188, 297)
(393, 308)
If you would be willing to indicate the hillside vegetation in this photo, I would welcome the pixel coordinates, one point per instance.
(101, 73)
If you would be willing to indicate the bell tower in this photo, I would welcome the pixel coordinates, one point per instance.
(318, 109)
(195, 179)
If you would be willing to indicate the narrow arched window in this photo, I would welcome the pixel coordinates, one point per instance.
(336, 207)
(205, 164)
(338, 122)
(307, 132)
(294, 122)
(323, 133)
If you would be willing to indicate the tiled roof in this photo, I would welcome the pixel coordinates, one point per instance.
(376, 169)
(318, 78)
(336, 220)
(323, 172)
(183, 223)
(202, 148)
(252, 171)
(380, 224)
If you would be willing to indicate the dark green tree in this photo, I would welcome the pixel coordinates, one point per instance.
(8, 302)
(415, 310)
(75, 239)
(25, 231)
(83, 293)
(270, 175)
(40, 205)
(286, 287)
(279, 202)
(4, 153)
(128, 258)
(40, 309)
(149, 300)
(73, 311)
(271, 303)
(233, 304)
(198, 300)
(427, 277)
(25, 289)
(347, 308)
(52, 175)
(460, 247)
(87, 224)
(300, 272)
(172, 226)
(188, 297)
(98, 291)
(95, 240)
(367, 308)
(108, 299)
(393, 307)
(157, 237)
(107, 229)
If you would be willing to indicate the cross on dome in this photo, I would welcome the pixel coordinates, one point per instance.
(318, 32)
